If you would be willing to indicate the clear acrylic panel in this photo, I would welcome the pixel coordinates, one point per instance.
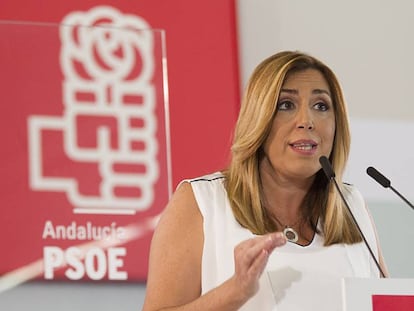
(86, 154)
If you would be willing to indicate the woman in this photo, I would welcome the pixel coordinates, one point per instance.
(270, 232)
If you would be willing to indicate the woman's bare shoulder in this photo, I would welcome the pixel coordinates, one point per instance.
(176, 250)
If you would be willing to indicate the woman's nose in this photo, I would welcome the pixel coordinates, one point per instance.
(305, 120)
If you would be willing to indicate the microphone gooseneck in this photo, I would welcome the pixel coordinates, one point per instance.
(330, 174)
(385, 182)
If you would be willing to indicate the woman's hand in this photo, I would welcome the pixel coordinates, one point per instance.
(250, 259)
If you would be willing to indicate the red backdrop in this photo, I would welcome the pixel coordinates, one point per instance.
(392, 302)
(203, 81)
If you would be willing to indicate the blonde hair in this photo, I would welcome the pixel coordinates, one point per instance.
(257, 111)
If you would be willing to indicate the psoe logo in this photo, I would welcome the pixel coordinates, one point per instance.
(107, 62)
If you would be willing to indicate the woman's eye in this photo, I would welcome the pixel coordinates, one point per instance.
(285, 105)
(321, 106)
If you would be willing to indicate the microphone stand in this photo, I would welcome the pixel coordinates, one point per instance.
(402, 197)
(329, 172)
(359, 229)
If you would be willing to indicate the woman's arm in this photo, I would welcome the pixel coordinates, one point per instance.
(174, 277)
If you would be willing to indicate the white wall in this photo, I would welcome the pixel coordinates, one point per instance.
(368, 44)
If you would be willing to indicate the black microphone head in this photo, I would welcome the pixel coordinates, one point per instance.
(327, 167)
(381, 179)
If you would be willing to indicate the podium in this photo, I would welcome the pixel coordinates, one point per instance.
(377, 294)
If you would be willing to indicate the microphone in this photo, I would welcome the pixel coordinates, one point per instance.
(330, 174)
(385, 182)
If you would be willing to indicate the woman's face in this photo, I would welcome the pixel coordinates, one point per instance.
(303, 128)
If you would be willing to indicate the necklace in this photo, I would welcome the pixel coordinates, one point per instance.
(290, 233)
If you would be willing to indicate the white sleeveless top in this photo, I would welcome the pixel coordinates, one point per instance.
(296, 277)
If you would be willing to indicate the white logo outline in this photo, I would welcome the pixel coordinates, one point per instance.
(125, 27)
